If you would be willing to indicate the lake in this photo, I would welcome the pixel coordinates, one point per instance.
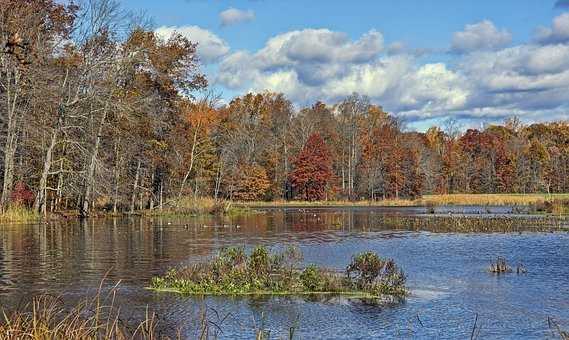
(447, 273)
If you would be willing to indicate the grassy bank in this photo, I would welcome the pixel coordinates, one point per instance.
(490, 199)
(556, 204)
(234, 272)
(196, 206)
(427, 200)
(18, 214)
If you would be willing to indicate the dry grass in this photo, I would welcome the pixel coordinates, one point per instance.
(361, 203)
(18, 214)
(427, 200)
(99, 317)
(489, 199)
(195, 206)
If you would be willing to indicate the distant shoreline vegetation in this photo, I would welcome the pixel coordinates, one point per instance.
(262, 272)
(522, 204)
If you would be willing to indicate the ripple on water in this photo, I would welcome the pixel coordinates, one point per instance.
(447, 273)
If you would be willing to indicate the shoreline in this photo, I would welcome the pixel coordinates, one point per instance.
(545, 205)
(424, 201)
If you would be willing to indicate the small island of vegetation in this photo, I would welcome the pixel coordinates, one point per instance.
(262, 272)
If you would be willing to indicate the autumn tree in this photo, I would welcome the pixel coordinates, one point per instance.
(251, 184)
(312, 170)
(30, 32)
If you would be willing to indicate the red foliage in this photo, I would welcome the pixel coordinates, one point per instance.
(22, 195)
(313, 170)
(491, 169)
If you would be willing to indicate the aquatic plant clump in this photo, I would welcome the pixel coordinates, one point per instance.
(234, 272)
(502, 267)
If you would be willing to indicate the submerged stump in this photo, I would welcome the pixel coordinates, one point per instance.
(501, 267)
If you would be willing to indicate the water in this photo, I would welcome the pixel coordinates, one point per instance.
(447, 274)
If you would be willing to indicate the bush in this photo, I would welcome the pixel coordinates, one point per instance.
(375, 274)
(260, 261)
(366, 267)
(312, 279)
(22, 195)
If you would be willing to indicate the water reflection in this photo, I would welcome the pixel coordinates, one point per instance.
(447, 272)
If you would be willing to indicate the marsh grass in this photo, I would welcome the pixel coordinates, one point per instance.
(18, 213)
(341, 203)
(197, 206)
(234, 272)
(47, 317)
(473, 224)
(555, 207)
(489, 199)
(557, 330)
(426, 201)
(100, 317)
(96, 318)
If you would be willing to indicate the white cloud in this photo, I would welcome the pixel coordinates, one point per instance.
(483, 82)
(319, 64)
(530, 79)
(480, 36)
(314, 54)
(210, 46)
(558, 33)
(234, 16)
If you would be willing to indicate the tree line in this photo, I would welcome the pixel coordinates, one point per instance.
(97, 112)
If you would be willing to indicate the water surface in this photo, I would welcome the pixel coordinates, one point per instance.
(447, 273)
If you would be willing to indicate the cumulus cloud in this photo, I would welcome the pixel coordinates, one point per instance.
(210, 46)
(315, 55)
(480, 36)
(528, 80)
(319, 64)
(485, 81)
(234, 16)
(557, 33)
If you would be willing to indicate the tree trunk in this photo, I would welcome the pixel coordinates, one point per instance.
(134, 186)
(40, 204)
(116, 177)
(192, 157)
(161, 193)
(11, 137)
(90, 179)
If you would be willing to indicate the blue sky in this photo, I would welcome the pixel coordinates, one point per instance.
(478, 61)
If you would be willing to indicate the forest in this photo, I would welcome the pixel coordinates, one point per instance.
(99, 113)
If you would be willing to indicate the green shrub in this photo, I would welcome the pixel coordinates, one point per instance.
(375, 274)
(366, 267)
(259, 261)
(312, 279)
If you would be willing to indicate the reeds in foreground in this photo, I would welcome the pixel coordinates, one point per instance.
(47, 317)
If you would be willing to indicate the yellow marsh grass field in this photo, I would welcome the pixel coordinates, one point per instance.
(428, 200)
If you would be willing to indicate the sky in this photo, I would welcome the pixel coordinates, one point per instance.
(424, 61)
